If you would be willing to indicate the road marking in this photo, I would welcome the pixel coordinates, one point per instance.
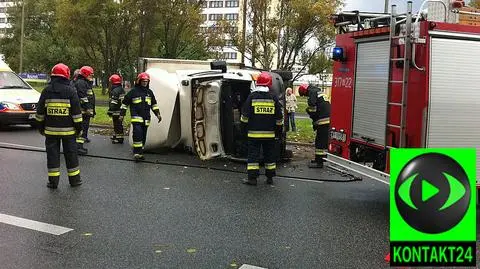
(21, 146)
(247, 266)
(34, 225)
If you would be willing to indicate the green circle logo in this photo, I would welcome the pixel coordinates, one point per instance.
(432, 193)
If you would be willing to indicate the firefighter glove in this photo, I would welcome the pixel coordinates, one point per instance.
(159, 118)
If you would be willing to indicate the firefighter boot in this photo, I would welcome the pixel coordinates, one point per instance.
(82, 150)
(116, 140)
(316, 163)
(250, 181)
(53, 182)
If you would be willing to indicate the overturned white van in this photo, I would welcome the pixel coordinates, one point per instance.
(200, 103)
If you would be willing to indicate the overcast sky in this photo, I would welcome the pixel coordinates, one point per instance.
(379, 5)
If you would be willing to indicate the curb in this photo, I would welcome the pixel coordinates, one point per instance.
(288, 143)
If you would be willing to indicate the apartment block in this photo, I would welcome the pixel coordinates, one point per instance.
(229, 10)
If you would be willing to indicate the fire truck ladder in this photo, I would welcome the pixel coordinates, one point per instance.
(394, 39)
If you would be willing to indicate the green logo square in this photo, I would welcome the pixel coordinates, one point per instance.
(432, 202)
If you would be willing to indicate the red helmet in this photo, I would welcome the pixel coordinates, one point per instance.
(86, 71)
(115, 79)
(302, 90)
(143, 76)
(61, 70)
(265, 79)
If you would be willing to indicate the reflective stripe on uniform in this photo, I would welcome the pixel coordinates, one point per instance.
(147, 123)
(59, 131)
(312, 109)
(73, 171)
(90, 92)
(263, 102)
(123, 106)
(137, 144)
(77, 118)
(261, 134)
(279, 122)
(115, 102)
(40, 117)
(57, 105)
(115, 113)
(270, 166)
(244, 119)
(53, 172)
(65, 101)
(136, 119)
(148, 100)
(253, 166)
(320, 151)
(84, 99)
(137, 100)
(155, 107)
(323, 121)
(80, 140)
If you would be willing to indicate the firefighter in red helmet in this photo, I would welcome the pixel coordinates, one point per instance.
(319, 111)
(59, 119)
(262, 120)
(117, 94)
(84, 87)
(141, 100)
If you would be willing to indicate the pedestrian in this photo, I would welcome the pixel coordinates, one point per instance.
(291, 106)
(141, 100)
(84, 87)
(319, 111)
(262, 120)
(117, 94)
(60, 120)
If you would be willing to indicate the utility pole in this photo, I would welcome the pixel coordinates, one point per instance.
(21, 37)
(386, 6)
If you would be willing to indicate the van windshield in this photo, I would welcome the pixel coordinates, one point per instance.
(10, 80)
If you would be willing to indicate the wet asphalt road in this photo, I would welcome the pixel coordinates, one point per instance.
(146, 215)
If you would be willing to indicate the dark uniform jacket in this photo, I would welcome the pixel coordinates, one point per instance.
(116, 97)
(85, 93)
(318, 107)
(262, 114)
(58, 110)
(141, 100)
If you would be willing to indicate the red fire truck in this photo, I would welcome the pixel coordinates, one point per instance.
(401, 81)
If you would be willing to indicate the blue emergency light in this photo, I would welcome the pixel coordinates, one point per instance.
(338, 54)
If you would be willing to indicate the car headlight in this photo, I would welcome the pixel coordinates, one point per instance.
(6, 106)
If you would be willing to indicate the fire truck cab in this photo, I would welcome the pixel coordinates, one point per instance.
(401, 81)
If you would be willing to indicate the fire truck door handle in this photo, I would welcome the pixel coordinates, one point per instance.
(368, 139)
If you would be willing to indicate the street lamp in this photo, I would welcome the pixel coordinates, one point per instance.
(386, 6)
(21, 38)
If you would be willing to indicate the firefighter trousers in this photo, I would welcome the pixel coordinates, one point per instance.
(321, 142)
(52, 145)
(117, 128)
(139, 137)
(85, 125)
(269, 157)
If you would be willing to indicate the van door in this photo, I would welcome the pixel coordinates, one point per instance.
(206, 126)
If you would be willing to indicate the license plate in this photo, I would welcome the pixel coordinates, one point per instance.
(338, 136)
(31, 116)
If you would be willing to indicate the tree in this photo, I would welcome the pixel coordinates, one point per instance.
(475, 3)
(319, 63)
(303, 21)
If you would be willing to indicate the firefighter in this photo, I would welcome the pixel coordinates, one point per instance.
(60, 121)
(141, 100)
(262, 120)
(319, 111)
(84, 87)
(116, 97)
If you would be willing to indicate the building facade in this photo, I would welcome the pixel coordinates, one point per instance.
(228, 10)
(4, 23)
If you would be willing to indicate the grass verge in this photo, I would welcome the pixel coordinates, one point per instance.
(304, 133)
(102, 117)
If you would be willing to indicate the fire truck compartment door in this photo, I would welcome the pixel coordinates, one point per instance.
(454, 110)
(206, 120)
(371, 89)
